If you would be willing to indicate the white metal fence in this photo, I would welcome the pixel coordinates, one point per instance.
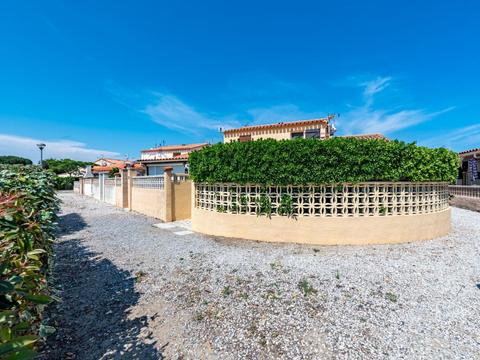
(471, 191)
(148, 182)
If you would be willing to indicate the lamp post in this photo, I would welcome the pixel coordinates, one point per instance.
(41, 147)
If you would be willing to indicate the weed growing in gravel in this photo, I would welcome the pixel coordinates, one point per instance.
(391, 296)
(140, 275)
(199, 316)
(276, 265)
(337, 275)
(271, 295)
(227, 291)
(243, 296)
(306, 288)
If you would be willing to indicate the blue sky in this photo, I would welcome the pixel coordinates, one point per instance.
(92, 78)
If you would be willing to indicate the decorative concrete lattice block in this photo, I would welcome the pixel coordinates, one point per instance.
(342, 200)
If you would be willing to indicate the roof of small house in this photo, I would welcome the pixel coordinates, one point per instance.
(177, 147)
(115, 163)
(465, 152)
(280, 125)
(366, 136)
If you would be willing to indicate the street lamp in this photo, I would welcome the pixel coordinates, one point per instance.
(41, 147)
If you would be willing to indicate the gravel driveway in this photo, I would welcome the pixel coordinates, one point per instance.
(133, 291)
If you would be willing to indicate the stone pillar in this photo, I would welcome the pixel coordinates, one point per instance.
(168, 188)
(124, 187)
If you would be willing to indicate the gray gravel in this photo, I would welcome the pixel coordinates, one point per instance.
(131, 290)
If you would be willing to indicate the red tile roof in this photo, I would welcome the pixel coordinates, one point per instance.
(177, 147)
(469, 151)
(366, 136)
(280, 125)
(118, 164)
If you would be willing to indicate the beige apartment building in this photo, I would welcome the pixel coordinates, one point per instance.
(316, 129)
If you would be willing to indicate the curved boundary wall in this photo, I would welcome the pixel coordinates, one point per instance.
(431, 222)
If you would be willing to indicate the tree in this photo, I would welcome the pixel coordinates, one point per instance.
(14, 160)
(65, 166)
(113, 172)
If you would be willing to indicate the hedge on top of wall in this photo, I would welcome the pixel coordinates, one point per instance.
(336, 160)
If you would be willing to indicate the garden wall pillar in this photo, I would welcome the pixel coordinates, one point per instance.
(131, 173)
(124, 188)
(168, 188)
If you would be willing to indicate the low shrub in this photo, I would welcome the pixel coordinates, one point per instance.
(310, 161)
(27, 223)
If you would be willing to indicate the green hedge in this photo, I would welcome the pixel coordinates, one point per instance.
(28, 209)
(336, 160)
(64, 183)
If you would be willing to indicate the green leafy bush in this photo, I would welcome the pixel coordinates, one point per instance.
(336, 160)
(64, 183)
(27, 223)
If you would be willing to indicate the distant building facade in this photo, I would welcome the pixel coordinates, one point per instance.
(175, 156)
(469, 172)
(316, 129)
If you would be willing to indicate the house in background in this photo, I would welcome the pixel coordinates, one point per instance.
(469, 172)
(316, 129)
(307, 129)
(105, 165)
(176, 156)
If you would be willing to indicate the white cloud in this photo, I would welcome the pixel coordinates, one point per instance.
(59, 149)
(461, 139)
(367, 119)
(173, 113)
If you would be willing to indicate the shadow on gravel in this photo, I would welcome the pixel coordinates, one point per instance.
(92, 320)
(70, 223)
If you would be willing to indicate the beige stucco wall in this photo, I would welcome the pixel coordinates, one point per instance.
(150, 202)
(277, 134)
(182, 195)
(324, 231)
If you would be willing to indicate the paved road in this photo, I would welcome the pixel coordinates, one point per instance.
(134, 291)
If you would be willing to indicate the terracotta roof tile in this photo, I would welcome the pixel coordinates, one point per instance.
(469, 151)
(97, 168)
(279, 125)
(177, 147)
